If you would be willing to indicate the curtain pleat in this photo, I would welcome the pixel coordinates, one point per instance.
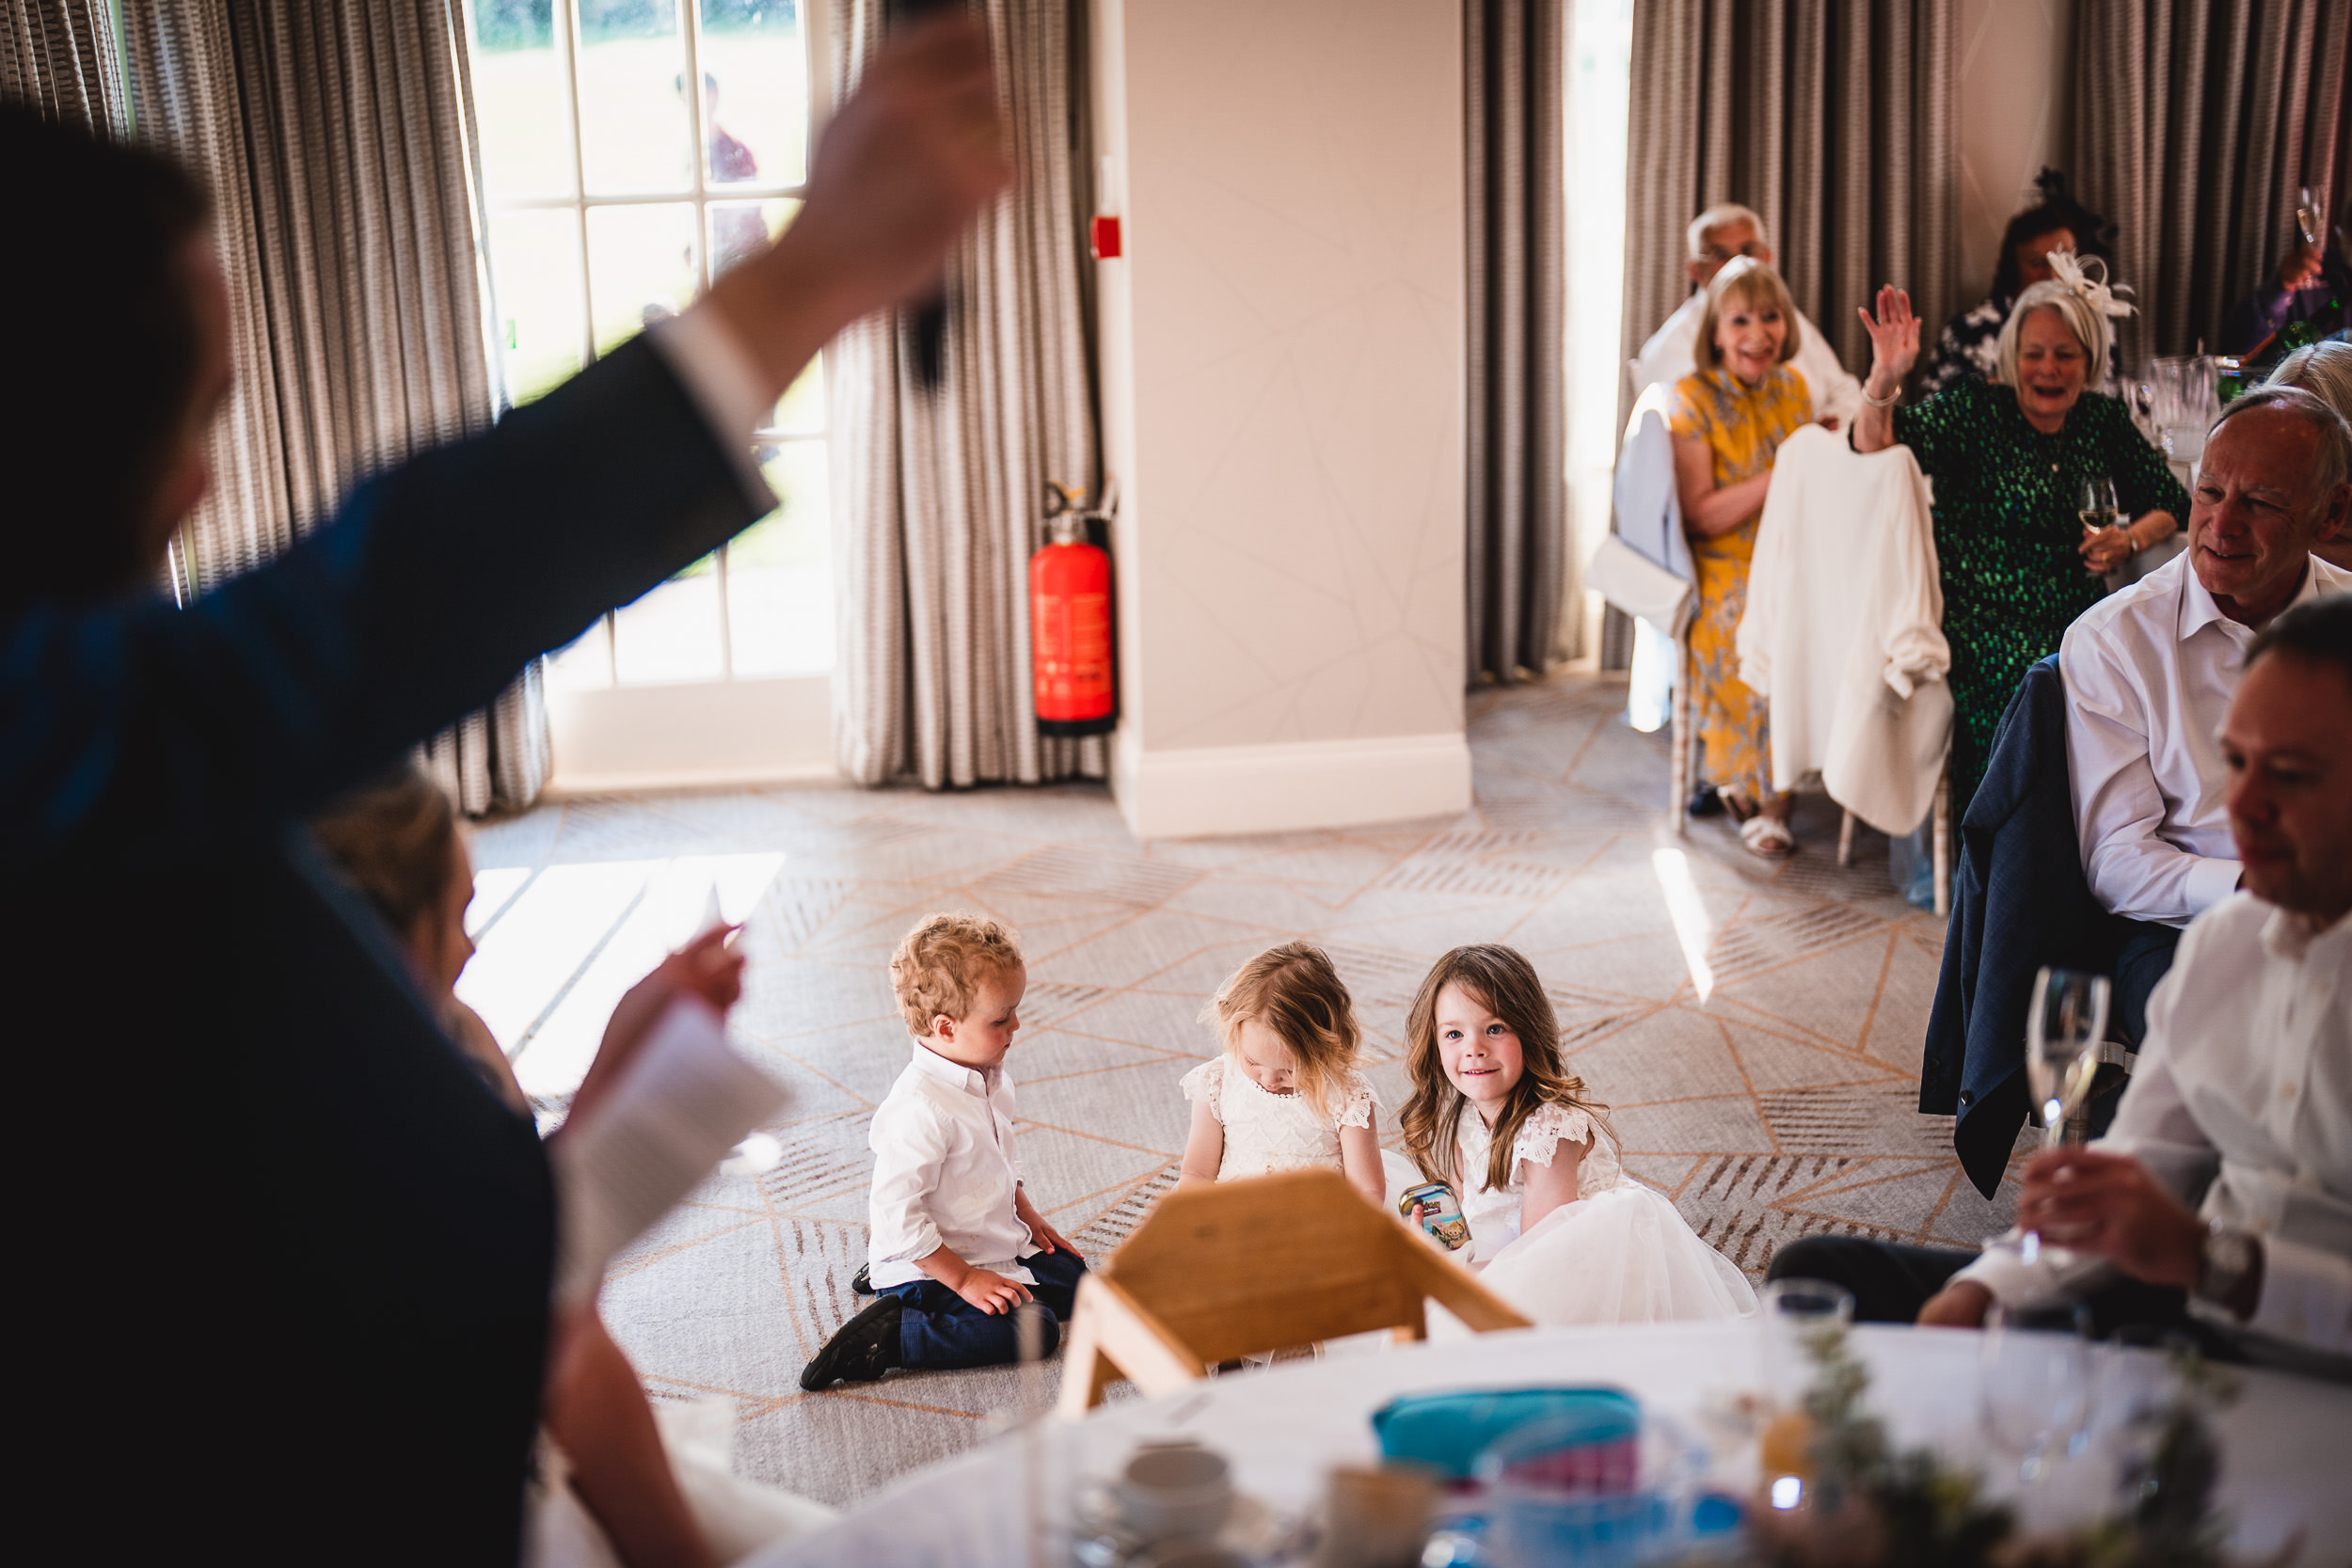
(1517, 250)
(939, 495)
(1831, 118)
(2194, 124)
(338, 142)
(60, 58)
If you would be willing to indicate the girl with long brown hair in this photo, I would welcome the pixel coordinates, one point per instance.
(1495, 1114)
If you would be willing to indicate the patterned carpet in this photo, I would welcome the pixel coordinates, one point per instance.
(1754, 1027)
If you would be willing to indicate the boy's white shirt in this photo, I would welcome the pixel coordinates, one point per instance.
(944, 1172)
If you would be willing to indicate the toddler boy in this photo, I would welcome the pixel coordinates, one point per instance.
(954, 1245)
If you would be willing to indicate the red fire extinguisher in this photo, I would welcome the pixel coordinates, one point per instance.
(1070, 623)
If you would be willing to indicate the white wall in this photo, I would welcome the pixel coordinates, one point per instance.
(1282, 355)
(2015, 60)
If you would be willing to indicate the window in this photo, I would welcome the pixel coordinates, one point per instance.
(632, 151)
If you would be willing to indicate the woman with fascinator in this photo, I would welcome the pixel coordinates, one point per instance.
(2008, 459)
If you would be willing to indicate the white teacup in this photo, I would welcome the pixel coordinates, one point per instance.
(1174, 1492)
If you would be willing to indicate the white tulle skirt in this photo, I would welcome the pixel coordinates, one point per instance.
(1620, 1256)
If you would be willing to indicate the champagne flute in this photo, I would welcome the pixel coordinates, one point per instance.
(2094, 502)
(2065, 1024)
(2308, 217)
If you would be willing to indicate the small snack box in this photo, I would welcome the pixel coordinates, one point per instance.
(1444, 1217)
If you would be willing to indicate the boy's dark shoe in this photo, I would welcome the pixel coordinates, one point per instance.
(859, 1350)
(862, 1282)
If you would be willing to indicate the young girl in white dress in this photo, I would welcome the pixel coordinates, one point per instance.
(1556, 1227)
(1285, 1094)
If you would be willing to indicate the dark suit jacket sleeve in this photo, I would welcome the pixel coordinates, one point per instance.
(139, 730)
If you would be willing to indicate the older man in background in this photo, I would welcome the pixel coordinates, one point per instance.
(2150, 672)
(1718, 236)
(2221, 1202)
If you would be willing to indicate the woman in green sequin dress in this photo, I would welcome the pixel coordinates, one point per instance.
(2008, 460)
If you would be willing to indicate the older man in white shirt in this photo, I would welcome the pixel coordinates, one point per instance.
(2222, 1197)
(2150, 672)
(1717, 237)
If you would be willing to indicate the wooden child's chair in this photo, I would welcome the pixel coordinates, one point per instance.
(1243, 1267)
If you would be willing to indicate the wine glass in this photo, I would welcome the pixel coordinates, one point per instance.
(2034, 1387)
(2065, 1024)
(2094, 502)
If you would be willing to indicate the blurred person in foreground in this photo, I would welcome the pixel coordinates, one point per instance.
(2220, 1201)
(2325, 371)
(281, 1232)
(609, 1489)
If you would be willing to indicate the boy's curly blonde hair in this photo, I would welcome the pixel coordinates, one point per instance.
(942, 959)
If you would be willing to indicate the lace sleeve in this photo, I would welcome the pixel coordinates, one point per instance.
(1357, 1102)
(1546, 1130)
(1203, 1086)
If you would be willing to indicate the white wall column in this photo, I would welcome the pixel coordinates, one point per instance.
(1282, 358)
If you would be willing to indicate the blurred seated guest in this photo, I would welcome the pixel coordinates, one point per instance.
(2325, 371)
(2149, 674)
(1728, 421)
(2221, 1200)
(398, 840)
(2008, 459)
(1721, 235)
(2313, 284)
(1969, 345)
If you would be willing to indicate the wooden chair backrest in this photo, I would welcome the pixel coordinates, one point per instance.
(1242, 1267)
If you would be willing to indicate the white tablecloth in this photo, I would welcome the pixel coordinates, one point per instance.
(2286, 1442)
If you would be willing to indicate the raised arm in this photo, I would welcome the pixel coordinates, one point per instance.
(1894, 349)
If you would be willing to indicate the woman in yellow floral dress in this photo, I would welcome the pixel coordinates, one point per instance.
(1729, 418)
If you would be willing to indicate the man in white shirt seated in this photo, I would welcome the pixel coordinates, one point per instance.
(2149, 674)
(2221, 1201)
(1717, 236)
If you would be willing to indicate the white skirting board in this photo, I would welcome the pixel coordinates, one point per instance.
(697, 736)
(1278, 788)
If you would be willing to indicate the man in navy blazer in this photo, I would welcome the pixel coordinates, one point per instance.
(281, 1262)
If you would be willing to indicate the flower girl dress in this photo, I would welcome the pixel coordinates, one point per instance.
(1619, 1254)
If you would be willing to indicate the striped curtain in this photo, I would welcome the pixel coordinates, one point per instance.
(339, 145)
(1512, 58)
(1832, 119)
(2194, 125)
(939, 496)
(60, 58)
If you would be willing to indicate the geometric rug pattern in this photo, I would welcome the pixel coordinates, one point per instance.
(1754, 1027)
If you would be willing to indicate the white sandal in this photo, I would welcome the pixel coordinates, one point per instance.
(1767, 836)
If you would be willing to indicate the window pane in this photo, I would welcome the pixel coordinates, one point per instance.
(672, 634)
(801, 409)
(536, 259)
(741, 229)
(641, 266)
(583, 665)
(518, 99)
(780, 571)
(755, 92)
(634, 133)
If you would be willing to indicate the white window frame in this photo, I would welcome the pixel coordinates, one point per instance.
(733, 729)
